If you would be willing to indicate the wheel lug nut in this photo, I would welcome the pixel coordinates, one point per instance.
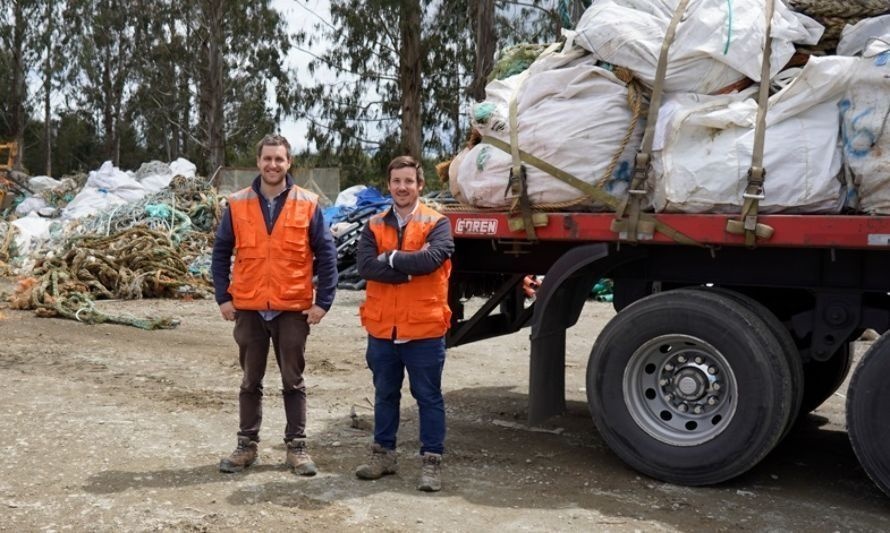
(712, 400)
(699, 360)
(683, 407)
(716, 385)
(663, 382)
(668, 397)
(668, 367)
(697, 409)
(712, 370)
(681, 358)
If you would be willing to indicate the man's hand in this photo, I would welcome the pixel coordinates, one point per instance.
(314, 315)
(227, 310)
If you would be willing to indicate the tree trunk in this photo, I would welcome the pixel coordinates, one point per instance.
(486, 41)
(47, 118)
(409, 79)
(214, 90)
(108, 141)
(18, 94)
(47, 92)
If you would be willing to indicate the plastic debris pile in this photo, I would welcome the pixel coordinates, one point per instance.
(346, 218)
(127, 236)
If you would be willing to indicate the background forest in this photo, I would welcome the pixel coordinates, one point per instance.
(85, 81)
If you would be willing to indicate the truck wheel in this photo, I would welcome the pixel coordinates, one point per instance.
(822, 378)
(868, 402)
(689, 387)
(786, 341)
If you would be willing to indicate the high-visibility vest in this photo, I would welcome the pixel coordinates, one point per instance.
(414, 310)
(272, 271)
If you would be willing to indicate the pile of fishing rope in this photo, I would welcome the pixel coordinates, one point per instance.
(158, 247)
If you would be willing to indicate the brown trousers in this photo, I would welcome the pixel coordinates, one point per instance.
(288, 332)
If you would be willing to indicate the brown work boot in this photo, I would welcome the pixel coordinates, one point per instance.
(383, 462)
(298, 459)
(429, 472)
(245, 454)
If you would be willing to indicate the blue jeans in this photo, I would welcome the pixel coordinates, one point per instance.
(424, 360)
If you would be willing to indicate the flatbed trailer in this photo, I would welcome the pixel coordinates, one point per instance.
(715, 348)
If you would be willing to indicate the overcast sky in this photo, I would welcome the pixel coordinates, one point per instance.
(299, 15)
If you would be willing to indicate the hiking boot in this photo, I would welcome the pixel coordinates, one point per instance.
(429, 472)
(382, 462)
(245, 454)
(298, 459)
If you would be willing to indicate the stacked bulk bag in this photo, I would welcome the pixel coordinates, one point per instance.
(865, 115)
(718, 42)
(703, 146)
(571, 114)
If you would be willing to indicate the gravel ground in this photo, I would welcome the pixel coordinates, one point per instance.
(111, 428)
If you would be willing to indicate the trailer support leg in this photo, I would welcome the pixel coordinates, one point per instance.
(546, 391)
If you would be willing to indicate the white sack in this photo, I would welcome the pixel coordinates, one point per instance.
(111, 179)
(716, 44)
(38, 184)
(32, 231)
(30, 204)
(183, 167)
(154, 176)
(855, 38)
(572, 114)
(865, 128)
(454, 176)
(704, 146)
(89, 201)
(349, 197)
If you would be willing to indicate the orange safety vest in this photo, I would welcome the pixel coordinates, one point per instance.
(272, 271)
(414, 310)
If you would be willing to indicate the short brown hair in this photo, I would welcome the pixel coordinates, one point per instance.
(272, 139)
(404, 161)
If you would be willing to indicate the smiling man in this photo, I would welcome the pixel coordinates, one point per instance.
(280, 241)
(404, 254)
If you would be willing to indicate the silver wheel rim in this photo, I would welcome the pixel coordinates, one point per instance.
(680, 390)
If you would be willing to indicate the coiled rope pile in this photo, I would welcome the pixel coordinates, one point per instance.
(835, 14)
(139, 250)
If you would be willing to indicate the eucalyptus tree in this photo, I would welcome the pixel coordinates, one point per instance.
(17, 26)
(397, 75)
(386, 63)
(106, 51)
(50, 42)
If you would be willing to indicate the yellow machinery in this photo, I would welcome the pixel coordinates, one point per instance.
(11, 150)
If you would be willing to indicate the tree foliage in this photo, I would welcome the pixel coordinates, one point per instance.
(130, 81)
(360, 102)
(154, 79)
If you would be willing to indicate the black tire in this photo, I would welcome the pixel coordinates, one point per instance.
(786, 341)
(669, 354)
(868, 403)
(822, 378)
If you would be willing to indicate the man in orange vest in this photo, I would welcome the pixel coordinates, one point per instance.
(404, 254)
(279, 240)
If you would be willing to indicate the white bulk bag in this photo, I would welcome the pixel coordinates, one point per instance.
(865, 118)
(38, 184)
(571, 114)
(717, 42)
(33, 230)
(704, 146)
(30, 204)
(111, 179)
(154, 176)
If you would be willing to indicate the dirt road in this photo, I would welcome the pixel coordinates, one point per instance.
(110, 428)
